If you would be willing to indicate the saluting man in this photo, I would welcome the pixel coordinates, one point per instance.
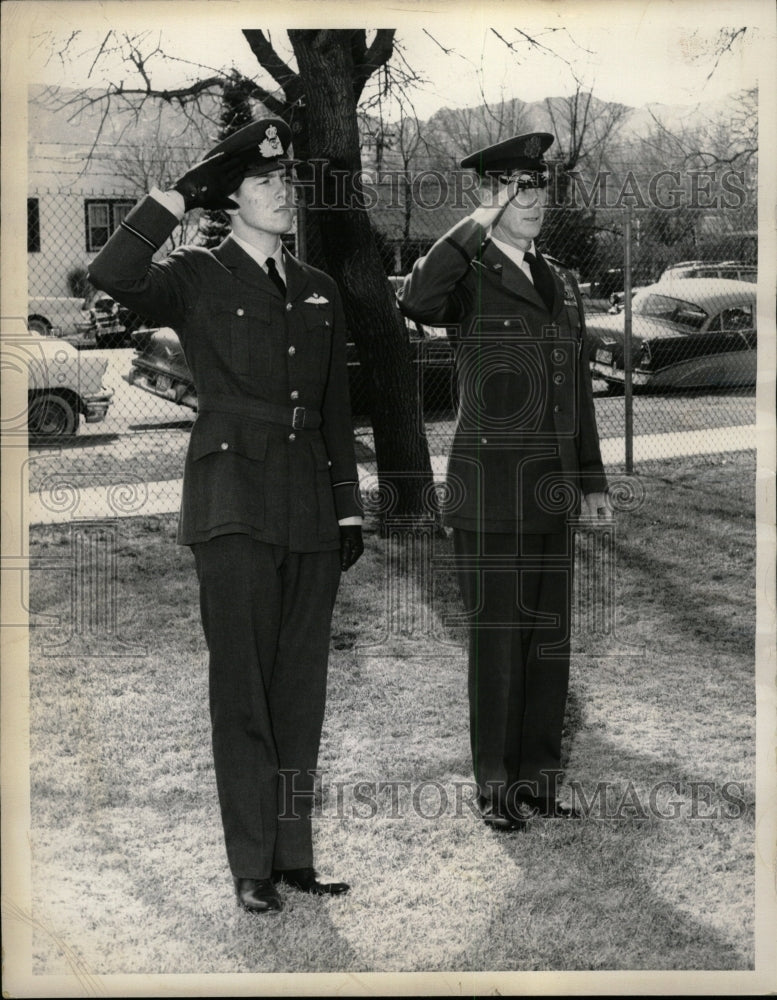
(270, 502)
(524, 452)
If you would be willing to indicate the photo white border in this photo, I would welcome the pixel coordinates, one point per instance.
(17, 920)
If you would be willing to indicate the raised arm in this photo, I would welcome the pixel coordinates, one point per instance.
(432, 292)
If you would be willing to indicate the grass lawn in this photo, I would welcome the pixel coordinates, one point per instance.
(130, 874)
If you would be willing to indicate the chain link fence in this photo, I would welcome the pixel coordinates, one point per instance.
(688, 325)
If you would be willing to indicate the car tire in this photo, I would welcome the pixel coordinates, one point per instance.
(51, 415)
(36, 324)
(615, 388)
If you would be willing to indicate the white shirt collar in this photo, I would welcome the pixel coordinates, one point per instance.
(260, 257)
(514, 253)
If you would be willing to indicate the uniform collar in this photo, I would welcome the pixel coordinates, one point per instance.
(261, 257)
(515, 254)
(236, 257)
(496, 258)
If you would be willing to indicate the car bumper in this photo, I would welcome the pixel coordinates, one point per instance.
(95, 407)
(163, 385)
(612, 374)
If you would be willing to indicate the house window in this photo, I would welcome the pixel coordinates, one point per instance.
(33, 226)
(102, 218)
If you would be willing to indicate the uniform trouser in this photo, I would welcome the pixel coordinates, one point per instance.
(517, 595)
(266, 613)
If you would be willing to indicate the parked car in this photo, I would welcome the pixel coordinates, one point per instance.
(734, 269)
(63, 384)
(159, 366)
(58, 316)
(111, 324)
(692, 333)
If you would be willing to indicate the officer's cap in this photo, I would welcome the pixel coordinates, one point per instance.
(265, 144)
(520, 152)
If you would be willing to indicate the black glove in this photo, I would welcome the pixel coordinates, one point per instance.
(351, 545)
(207, 183)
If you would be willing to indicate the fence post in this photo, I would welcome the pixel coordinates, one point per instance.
(627, 397)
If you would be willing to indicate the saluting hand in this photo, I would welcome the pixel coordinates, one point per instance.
(492, 204)
(208, 183)
(351, 545)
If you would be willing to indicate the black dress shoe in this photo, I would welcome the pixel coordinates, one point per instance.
(548, 808)
(305, 880)
(498, 820)
(257, 895)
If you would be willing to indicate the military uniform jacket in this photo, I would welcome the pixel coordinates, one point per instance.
(254, 358)
(526, 444)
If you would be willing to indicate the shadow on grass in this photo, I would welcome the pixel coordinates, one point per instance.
(702, 617)
(590, 919)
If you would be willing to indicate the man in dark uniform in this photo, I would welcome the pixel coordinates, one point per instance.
(525, 451)
(270, 502)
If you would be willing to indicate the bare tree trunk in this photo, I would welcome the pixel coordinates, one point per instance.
(352, 258)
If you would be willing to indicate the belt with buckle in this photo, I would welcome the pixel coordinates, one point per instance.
(297, 417)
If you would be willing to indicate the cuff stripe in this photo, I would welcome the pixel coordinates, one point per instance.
(139, 235)
(458, 247)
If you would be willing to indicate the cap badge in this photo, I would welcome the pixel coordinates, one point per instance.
(533, 147)
(271, 145)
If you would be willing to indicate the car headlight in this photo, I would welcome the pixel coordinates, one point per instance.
(645, 357)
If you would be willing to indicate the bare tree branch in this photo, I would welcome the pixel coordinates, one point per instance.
(270, 61)
(438, 44)
(726, 41)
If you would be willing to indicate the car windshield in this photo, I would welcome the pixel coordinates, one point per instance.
(651, 305)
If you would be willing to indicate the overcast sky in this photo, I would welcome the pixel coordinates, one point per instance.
(629, 51)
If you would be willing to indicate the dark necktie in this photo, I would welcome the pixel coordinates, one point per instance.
(542, 278)
(275, 278)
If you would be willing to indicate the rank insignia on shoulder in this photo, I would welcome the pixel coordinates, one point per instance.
(317, 300)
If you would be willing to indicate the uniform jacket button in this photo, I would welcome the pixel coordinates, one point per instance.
(484, 440)
(294, 394)
(224, 445)
(292, 350)
(556, 408)
(240, 312)
(288, 306)
(292, 436)
(558, 378)
(558, 356)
